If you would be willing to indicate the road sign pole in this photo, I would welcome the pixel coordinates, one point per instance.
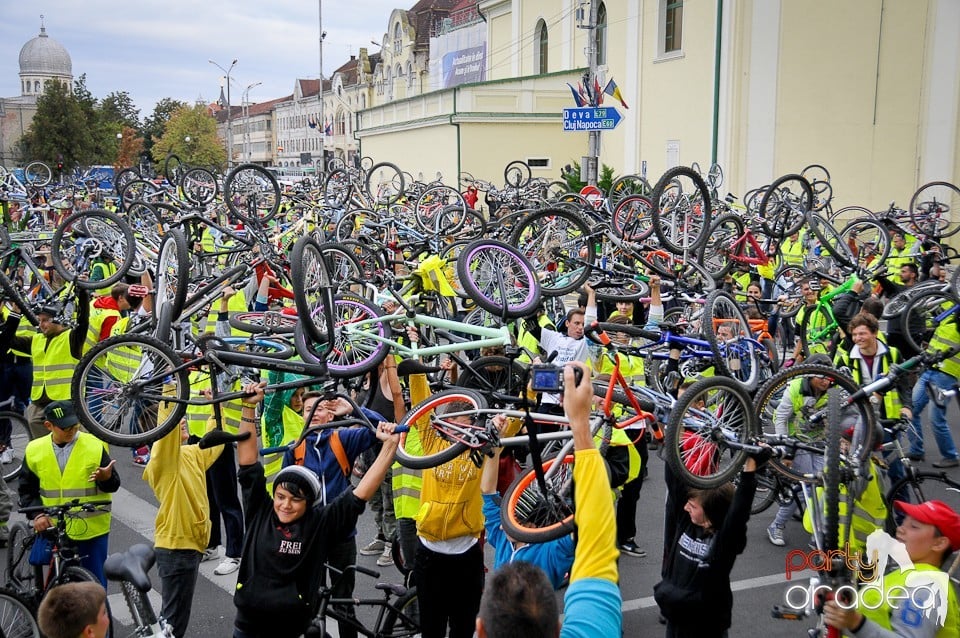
(593, 145)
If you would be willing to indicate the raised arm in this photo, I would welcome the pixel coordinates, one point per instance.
(247, 448)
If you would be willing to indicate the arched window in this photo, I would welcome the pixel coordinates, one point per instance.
(36, 86)
(600, 34)
(397, 39)
(540, 48)
(363, 101)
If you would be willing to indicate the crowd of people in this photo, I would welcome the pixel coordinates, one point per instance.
(296, 512)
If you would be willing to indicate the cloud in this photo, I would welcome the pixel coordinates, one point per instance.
(154, 49)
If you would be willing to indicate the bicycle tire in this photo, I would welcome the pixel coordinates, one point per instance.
(694, 438)
(390, 183)
(199, 186)
(783, 211)
(725, 313)
(498, 278)
(831, 475)
(145, 222)
(517, 174)
(20, 436)
(11, 291)
(625, 186)
(342, 264)
(410, 452)
(899, 303)
(787, 281)
(766, 494)
(108, 391)
(21, 575)
(37, 174)
(925, 486)
(772, 392)
(261, 346)
(433, 203)
(355, 355)
(691, 220)
(928, 214)
(172, 168)
(140, 608)
(17, 616)
(918, 321)
(715, 254)
(830, 239)
(869, 243)
(403, 622)
(631, 218)
(336, 188)
(492, 374)
(123, 177)
(558, 245)
(258, 322)
(816, 319)
(137, 190)
(172, 274)
(104, 227)
(529, 516)
(252, 193)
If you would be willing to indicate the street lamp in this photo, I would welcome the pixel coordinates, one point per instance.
(245, 105)
(229, 109)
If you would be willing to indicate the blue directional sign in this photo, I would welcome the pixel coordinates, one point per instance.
(591, 118)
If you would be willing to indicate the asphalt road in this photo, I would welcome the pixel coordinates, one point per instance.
(758, 578)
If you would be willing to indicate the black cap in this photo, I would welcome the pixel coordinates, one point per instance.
(61, 414)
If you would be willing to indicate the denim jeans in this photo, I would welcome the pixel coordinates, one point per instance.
(938, 415)
(804, 462)
(178, 570)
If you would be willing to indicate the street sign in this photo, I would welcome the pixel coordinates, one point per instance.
(587, 118)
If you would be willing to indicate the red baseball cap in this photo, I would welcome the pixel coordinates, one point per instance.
(936, 513)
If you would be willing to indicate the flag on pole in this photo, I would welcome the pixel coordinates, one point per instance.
(613, 90)
(576, 96)
(597, 91)
(328, 129)
(585, 94)
(311, 121)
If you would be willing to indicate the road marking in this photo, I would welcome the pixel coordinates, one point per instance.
(121, 612)
(737, 585)
(140, 515)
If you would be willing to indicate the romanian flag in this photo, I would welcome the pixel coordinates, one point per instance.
(576, 96)
(311, 122)
(597, 91)
(328, 129)
(613, 90)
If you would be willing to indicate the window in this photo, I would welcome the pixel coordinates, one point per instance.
(538, 162)
(410, 76)
(600, 35)
(540, 50)
(363, 101)
(397, 39)
(672, 25)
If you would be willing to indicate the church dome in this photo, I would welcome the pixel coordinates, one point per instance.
(45, 56)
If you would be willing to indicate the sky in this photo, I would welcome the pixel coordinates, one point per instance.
(153, 49)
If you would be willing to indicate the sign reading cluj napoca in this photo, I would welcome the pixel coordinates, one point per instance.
(603, 118)
(590, 115)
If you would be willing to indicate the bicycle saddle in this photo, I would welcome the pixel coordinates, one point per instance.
(131, 566)
(396, 590)
(214, 438)
(413, 366)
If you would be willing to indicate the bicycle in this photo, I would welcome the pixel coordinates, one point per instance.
(15, 439)
(397, 610)
(130, 569)
(31, 576)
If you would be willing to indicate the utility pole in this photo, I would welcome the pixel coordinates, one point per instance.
(323, 124)
(590, 162)
(229, 111)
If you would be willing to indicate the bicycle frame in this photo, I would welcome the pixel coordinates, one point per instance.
(489, 337)
(736, 251)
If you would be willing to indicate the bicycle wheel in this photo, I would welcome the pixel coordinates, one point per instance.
(336, 188)
(560, 248)
(123, 178)
(252, 193)
(266, 321)
(37, 174)
(403, 619)
(831, 475)
(199, 186)
(805, 386)
(830, 239)
(681, 210)
(21, 575)
(440, 209)
(716, 251)
(935, 209)
(787, 282)
(118, 387)
(530, 516)
(355, 351)
(173, 168)
(708, 415)
(784, 206)
(16, 617)
(342, 264)
(73, 250)
(517, 174)
(19, 436)
(498, 278)
(731, 341)
(145, 222)
(923, 314)
(922, 487)
(262, 346)
(625, 186)
(767, 491)
(817, 330)
(384, 183)
(631, 218)
(138, 190)
(432, 440)
(493, 374)
(869, 243)
(173, 274)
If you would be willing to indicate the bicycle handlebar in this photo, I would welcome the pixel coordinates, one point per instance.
(307, 431)
(55, 510)
(926, 359)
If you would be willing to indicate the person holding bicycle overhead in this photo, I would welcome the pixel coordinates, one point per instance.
(519, 600)
(69, 465)
(288, 536)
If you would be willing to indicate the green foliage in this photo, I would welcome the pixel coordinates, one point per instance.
(203, 147)
(59, 130)
(155, 124)
(572, 178)
(118, 108)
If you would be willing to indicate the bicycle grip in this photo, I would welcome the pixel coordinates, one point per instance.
(597, 334)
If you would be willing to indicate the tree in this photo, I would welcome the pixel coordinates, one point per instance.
(191, 135)
(131, 145)
(59, 129)
(118, 107)
(155, 124)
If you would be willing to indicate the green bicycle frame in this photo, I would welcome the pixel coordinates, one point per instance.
(824, 303)
(489, 337)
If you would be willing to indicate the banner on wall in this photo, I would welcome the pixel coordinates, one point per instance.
(458, 57)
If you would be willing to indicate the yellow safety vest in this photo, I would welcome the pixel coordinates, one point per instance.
(235, 304)
(53, 366)
(197, 415)
(898, 258)
(273, 463)
(407, 483)
(24, 329)
(57, 488)
(869, 512)
(875, 603)
(947, 337)
(797, 400)
(891, 399)
(108, 269)
(791, 252)
(97, 317)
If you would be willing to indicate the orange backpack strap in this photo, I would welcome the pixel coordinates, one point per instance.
(337, 446)
(299, 452)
